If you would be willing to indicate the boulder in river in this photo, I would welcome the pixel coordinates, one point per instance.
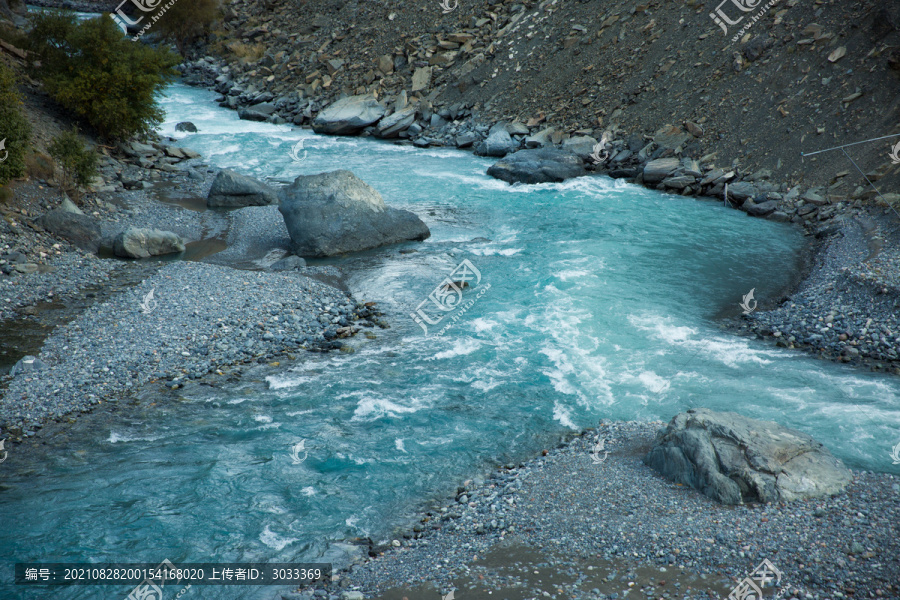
(391, 126)
(542, 165)
(233, 190)
(348, 116)
(498, 143)
(186, 126)
(81, 230)
(733, 459)
(337, 212)
(135, 242)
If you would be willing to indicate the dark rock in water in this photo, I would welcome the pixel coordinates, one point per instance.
(186, 126)
(258, 112)
(465, 140)
(26, 365)
(732, 459)
(334, 213)
(288, 263)
(349, 115)
(135, 242)
(81, 230)
(233, 190)
(623, 173)
(542, 165)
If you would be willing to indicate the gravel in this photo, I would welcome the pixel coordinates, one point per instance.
(202, 320)
(847, 309)
(603, 529)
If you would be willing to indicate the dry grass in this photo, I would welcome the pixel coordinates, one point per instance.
(248, 53)
(40, 166)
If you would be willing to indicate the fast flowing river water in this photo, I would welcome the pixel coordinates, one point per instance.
(597, 299)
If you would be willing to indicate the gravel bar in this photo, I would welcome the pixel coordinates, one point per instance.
(575, 523)
(200, 319)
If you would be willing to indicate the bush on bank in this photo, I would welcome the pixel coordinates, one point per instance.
(99, 75)
(15, 130)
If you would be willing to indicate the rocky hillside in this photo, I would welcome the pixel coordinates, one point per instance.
(803, 77)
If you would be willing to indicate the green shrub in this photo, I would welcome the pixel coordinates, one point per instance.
(186, 21)
(104, 78)
(78, 163)
(15, 130)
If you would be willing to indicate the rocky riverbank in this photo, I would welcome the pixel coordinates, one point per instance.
(578, 522)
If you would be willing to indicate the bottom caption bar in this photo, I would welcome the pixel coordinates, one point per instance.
(167, 573)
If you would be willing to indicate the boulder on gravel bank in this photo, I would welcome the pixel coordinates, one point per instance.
(135, 242)
(81, 230)
(337, 212)
(349, 115)
(732, 459)
(542, 165)
(233, 190)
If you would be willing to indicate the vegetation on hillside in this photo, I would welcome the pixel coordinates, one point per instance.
(99, 75)
(186, 21)
(15, 130)
(78, 163)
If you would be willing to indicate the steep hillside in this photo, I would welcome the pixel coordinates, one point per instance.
(805, 76)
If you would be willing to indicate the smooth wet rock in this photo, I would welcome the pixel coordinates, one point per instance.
(81, 230)
(136, 242)
(186, 126)
(233, 190)
(735, 459)
(760, 209)
(543, 165)
(349, 115)
(337, 212)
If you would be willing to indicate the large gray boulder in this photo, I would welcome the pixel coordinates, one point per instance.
(337, 212)
(135, 242)
(348, 115)
(233, 190)
(582, 146)
(27, 365)
(81, 230)
(732, 459)
(542, 165)
(498, 143)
